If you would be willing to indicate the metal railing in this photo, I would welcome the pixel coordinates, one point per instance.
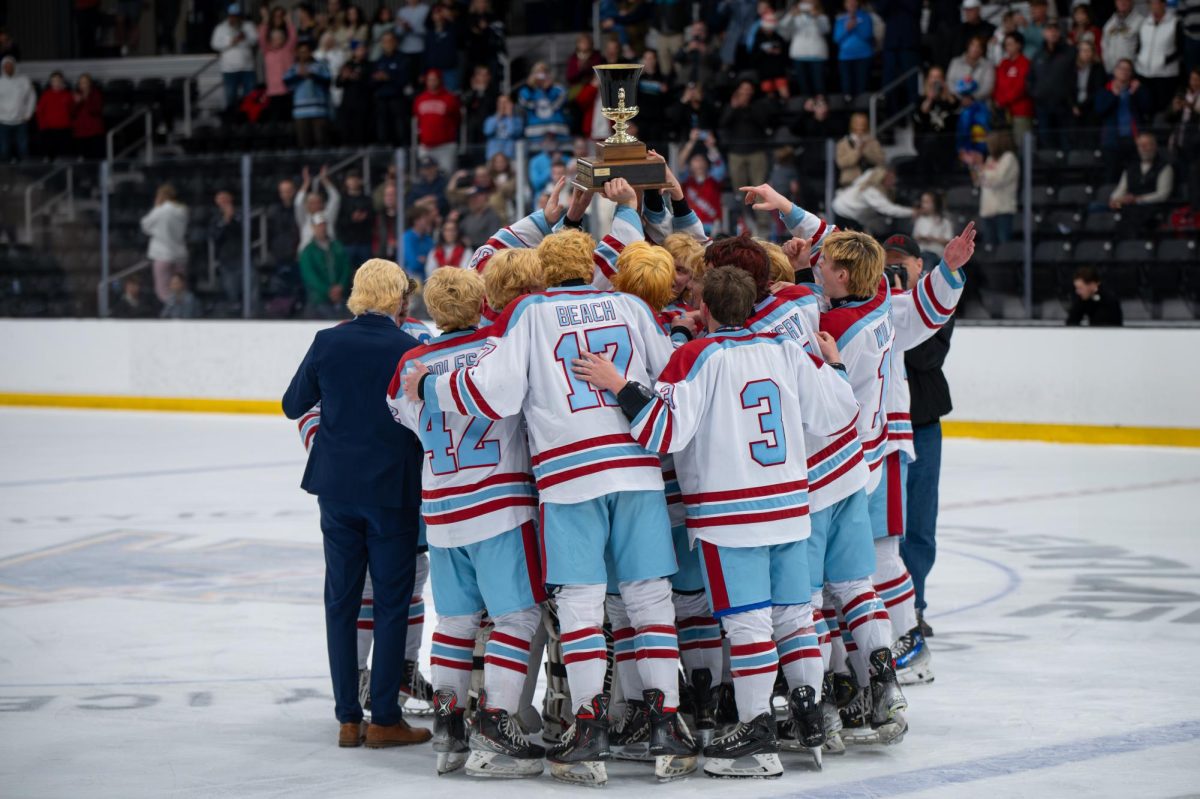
(194, 79)
(147, 117)
(873, 103)
(47, 205)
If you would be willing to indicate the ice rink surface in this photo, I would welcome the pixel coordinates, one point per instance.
(161, 627)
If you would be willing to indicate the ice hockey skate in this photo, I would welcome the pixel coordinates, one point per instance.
(832, 718)
(704, 700)
(749, 750)
(416, 694)
(630, 739)
(804, 729)
(873, 715)
(671, 743)
(727, 715)
(449, 732)
(579, 757)
(914, 664)
(499, 749)
(364, 692)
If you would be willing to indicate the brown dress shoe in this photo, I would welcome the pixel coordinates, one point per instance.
(401, 734)
(352, 733)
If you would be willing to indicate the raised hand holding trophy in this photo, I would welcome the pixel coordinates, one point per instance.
(620, 155)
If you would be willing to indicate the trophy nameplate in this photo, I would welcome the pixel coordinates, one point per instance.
(620, 155)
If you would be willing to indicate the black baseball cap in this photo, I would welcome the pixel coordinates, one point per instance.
(901, 243)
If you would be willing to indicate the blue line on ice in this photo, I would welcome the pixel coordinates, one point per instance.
(1003, 765)
(92, 478)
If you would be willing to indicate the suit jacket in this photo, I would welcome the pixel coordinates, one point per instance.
(360, 454)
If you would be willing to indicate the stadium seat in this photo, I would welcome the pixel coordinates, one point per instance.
(1093, 253)
(963, 198)
(1179, 251)
(1044, 196)
(1138, 251)
(1100, 224)
(1001, 283)
(1076, 197)
(1061, 223)
(1051, 252)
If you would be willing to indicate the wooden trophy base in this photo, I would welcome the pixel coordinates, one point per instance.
(628, 161)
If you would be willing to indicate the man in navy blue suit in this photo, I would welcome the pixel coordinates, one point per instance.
(366, 472)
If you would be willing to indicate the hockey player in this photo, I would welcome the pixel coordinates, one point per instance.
(602, 495)
(411, 325)
(745, 494)
(478, 504)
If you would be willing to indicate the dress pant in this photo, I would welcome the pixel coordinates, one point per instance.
(919, 546)
(382, 540)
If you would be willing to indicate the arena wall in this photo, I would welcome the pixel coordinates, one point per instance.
(1135, 386)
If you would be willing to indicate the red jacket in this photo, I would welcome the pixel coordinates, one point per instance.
(704, 198)
(437, 116)
(89, 115)
(54, 110)
(1011, 93)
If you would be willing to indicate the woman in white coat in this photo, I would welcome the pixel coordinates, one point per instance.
(166, 225)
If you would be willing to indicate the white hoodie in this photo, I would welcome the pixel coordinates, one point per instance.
(17, 97)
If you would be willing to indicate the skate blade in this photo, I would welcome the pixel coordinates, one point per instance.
(668, 768)
(888, 734)
(415, 707)
(494, 765)
(634, 753)
(834, 745)
(591, 773)
(914, 676)
(766, 766)
(450, 761)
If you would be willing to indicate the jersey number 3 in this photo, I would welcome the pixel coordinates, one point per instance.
(473, 451)
(611, 341)
(763, 396)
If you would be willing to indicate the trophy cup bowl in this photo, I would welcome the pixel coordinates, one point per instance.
(621, 155)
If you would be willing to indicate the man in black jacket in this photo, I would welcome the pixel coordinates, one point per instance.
(356, 221)
(1051, 84)
(1100, 309)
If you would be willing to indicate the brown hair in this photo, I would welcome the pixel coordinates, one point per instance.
(747, 255)
(729, 293)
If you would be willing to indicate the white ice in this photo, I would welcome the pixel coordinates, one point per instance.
(161, 628)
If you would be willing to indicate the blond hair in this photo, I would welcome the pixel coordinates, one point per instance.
(454, 297)
(860, 255)
(379, 285)
(566, 255)
(781, 267)
(646, 271)
(686, 251)
(511, 273)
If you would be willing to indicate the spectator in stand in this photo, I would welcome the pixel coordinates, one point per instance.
(766, 55)
(932, 230)
(694, 111)
(866, 204)
(166, 225)
(485, 40)
(1039, 18)
(450, 249)
(234, 39)
(1189, 16)
(1119, 38)
(132, 303)
(504, 177)
(385, 222)
(225, 233)
(1052, 87)
(437, 112)
(541, 165)
(354, 82)
(87, 119)
(857, 151)
(308, 80)
(418, 240)
(503, 129)
(901, 46)
(480, 220)
(580, 63)
(307, 27)
(973, 26)
(181, 302)
(54, 110)
(8, 46)
(429, 186)
(698, 61)
(283, 246)
(1185, 135)
(411, 21)
(1158, 57)
(356, 220)
(354, 28)
(543, 101)
(671, 18)
(972, 64)
(1122, 106)
(997, 177)
(333, 56)
(308, 203)
(279, 53)
(855, 38)
(18, 101)
(1083, 29)
(463, 184)
(391, 106)
(478, 103)
(806, 28)
(1089, 82)
(1012, 87)
(443, 40)
(654, 89)
(1142, 193)
(1099, 309)
(1012, 22)
(326, 273)
(384, 22)
(743, 128)
(934, 123)
(702, 176)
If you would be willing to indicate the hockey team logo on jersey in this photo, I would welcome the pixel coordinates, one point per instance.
(481, 256)
(667, 392)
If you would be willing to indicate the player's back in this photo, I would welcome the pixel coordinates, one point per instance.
(476, 480)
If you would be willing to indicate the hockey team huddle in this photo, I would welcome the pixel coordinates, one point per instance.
(677, 475)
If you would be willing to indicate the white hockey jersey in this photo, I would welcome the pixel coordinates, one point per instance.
(417, 329)
(916, 314)
(805, 225)
(734, 407)
(836, 468)
(475, 476)
(579, 438)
